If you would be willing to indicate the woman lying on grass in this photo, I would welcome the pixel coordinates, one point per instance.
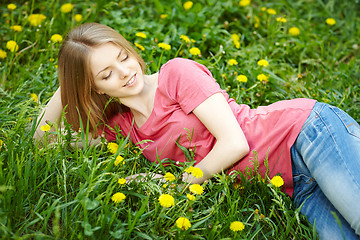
(312, 145)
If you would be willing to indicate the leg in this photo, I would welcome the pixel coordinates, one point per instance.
(326, 168)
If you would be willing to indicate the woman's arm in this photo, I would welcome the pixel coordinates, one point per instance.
(52, 113)
(231, 144)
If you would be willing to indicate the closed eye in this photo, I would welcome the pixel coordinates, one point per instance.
(125, 58)
(108, 76)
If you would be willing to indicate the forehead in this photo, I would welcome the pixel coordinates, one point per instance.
(101, 56)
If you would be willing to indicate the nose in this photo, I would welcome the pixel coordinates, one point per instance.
(123, 70)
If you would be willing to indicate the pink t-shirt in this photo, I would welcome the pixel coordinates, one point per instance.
(184, 84)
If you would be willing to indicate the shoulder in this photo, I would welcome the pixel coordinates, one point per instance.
(183, 66)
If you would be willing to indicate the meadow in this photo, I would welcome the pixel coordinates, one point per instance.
(259, 51)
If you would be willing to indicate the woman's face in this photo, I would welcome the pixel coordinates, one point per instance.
(116, 73)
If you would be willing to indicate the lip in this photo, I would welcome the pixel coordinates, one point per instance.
(131, 81)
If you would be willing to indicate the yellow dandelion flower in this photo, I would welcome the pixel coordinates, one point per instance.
(66, 8)
(189, 169)
(11, 7)
(16, 28)
(33, 97)
(3, 54)
(196, 189)
(244, 3)
(121, 181)
(281, 19)
(263, 63)
(78, 17)
(191, 197)
(185, 38)
(119, 160)
(183, 223)
(277, 181)
(257, 21)
(169, 177)
(237, 226)
(163, 16)
(263, 9)
(1, 143)
(118, 197)
(294, 31)
(187, 5)
(36, 19)
(262, 77)
(232, 62)
(56, 38)
(164, 46)
(45, 128)
(330, 21)
(166, 200)
(236, 40)
(194, 51)
(139, 46)
(242, 78)
(140, 35)
(164, 185)
(197, 172)
(12, 46)
(112, 147)
(271, 11)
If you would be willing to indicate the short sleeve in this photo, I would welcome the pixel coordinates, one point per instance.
(189, 83)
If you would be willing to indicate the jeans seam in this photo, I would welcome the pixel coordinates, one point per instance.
(345, 125)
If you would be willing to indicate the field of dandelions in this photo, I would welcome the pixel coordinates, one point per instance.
(259, 51)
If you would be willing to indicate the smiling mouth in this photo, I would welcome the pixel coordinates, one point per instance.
(131, 81)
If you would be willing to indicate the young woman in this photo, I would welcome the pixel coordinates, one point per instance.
(314, 146)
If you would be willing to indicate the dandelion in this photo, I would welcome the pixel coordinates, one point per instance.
(140, 35)
(45, 128)
(257, 21)
(112, 147)
(191, 197)
(263, 9)
(237, 226)
(281, 19)
(139, 46)
(118, 197)
(163, 16)
(166, 200)
(195, 51)
(169, 177)
(164, 46)
(244, 3)
(33, 97)
(262, 77)
(242, 78)
(183, 223)
(78, 17)
(185, 38)
(236, 40)
(330, 21)
(1, 143)
(36, 19)
(271, 11)
(263, 63)
(56, 38)
(119, 160)
(121, 181)
(66, 8)
(187, 5)
(232, 62)
(196, 189)
(164, 185)
(294, 31)
(12, 46)
(3, 54)
(16, 28)
(197, 172)
(11, 7)
(277, 181)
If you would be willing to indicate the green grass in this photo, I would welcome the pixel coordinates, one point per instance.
(59, 192)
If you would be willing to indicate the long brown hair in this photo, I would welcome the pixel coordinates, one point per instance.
(78, 91)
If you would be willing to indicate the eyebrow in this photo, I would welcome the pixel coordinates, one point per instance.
(108, 67)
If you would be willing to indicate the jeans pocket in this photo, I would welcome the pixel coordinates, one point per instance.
(350, 124)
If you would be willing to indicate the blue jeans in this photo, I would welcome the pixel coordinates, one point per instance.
(326, 172)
